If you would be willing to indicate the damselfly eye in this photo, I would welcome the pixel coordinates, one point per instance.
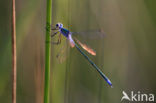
(57, 25)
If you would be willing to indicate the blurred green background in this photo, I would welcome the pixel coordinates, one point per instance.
(126, 54)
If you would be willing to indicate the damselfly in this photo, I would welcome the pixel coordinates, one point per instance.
(66, 33)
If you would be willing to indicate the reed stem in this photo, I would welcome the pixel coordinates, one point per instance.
(14, 67)
(47, 52)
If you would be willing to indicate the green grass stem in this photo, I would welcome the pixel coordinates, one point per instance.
(47, 52)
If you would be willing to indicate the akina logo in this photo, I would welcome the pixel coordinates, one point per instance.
(138, 96)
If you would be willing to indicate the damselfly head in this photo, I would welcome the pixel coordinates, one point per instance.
(59, 25)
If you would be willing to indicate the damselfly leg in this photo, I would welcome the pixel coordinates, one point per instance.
(59, 38)
(54, 34)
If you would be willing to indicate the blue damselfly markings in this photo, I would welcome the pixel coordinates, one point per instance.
(68, 35)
